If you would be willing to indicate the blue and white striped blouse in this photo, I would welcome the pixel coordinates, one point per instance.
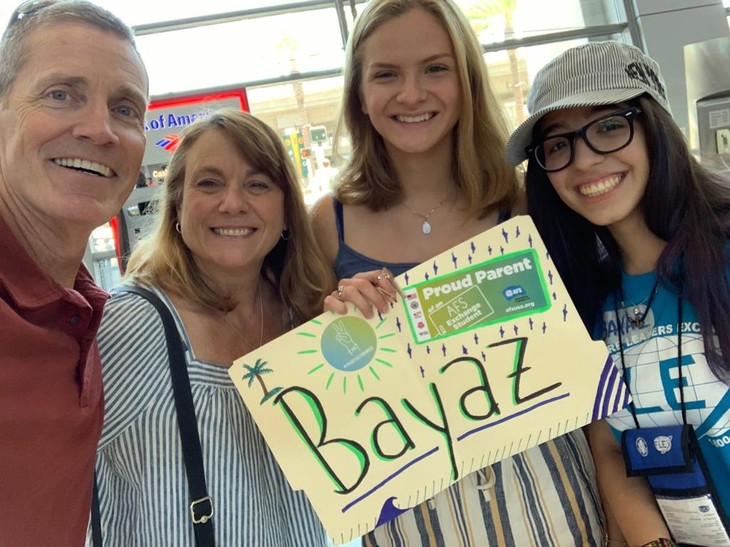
(142, 485)
(544, 497)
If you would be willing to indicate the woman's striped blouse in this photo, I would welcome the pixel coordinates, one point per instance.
(142, 483)
(544, 497)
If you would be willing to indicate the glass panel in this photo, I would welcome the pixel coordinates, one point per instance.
(242, 51)
(351, 13)
(511, 73)
(102, 257)
(141, 12)
(499, 20)
(304, 113)
(528, 17)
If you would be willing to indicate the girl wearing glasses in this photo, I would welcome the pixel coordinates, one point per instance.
(638, 230)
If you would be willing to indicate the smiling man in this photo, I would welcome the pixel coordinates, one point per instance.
(73, 93)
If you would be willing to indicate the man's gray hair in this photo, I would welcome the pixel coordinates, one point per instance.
(33, 14)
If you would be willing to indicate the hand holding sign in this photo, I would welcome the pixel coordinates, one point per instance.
(483, 357)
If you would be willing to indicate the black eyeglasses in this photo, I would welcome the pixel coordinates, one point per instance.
(604, 135)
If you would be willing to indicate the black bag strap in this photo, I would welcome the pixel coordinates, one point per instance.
(201, 504)
(96, 540)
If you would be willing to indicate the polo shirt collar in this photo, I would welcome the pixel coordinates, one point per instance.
(29, 286)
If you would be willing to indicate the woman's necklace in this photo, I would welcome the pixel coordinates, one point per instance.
(636, 317)
(426, 227)
(237, 330)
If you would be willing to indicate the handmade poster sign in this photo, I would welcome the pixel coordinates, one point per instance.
(484, 356)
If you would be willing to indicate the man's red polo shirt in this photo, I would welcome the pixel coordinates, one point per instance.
(51, 404)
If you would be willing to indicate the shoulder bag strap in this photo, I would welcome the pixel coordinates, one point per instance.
(201, 505)
(96, 540)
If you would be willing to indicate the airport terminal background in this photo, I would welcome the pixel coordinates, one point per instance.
(285, 58)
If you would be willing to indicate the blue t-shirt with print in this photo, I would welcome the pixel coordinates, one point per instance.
(652, 372)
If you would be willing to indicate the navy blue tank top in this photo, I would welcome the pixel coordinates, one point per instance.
(349, 262)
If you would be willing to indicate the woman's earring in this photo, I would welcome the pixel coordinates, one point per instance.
(285, 235)
(177, 227)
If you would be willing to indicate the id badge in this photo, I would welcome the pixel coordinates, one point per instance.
(670, 459)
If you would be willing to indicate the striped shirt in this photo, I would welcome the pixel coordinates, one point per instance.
(142, 484)
(544, 497)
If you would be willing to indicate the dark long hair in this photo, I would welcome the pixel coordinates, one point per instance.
(685, 204)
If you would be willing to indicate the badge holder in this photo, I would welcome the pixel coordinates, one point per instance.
(670, 459)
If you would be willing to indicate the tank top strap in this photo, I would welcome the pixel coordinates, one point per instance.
(504, 215)
(339, 222)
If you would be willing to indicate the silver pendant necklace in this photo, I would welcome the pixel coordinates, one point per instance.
(426, 226)
(636, 317)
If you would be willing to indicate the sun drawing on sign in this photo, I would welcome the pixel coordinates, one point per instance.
(351, 353)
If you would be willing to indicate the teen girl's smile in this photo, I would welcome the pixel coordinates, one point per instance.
(415, 119)
(604, 187)
(597, 188)
(410, 87)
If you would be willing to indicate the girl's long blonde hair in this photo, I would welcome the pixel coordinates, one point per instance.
(480, 168)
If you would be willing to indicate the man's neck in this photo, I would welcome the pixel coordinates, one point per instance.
(57, 252)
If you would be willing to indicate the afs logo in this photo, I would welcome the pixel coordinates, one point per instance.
(169, 142)
(513, 292)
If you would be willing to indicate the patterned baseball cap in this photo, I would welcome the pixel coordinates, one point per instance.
(593, 74)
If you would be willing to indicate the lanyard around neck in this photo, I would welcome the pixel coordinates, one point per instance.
(632, 406)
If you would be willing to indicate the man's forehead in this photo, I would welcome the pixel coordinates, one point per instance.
(46, 42)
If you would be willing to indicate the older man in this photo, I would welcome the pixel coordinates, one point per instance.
(73, 93)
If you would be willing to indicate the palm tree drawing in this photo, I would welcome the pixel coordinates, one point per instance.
(255, 373)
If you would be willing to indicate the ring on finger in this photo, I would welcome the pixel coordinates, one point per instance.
(385, 274)
(340, 290)
(385, 293)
